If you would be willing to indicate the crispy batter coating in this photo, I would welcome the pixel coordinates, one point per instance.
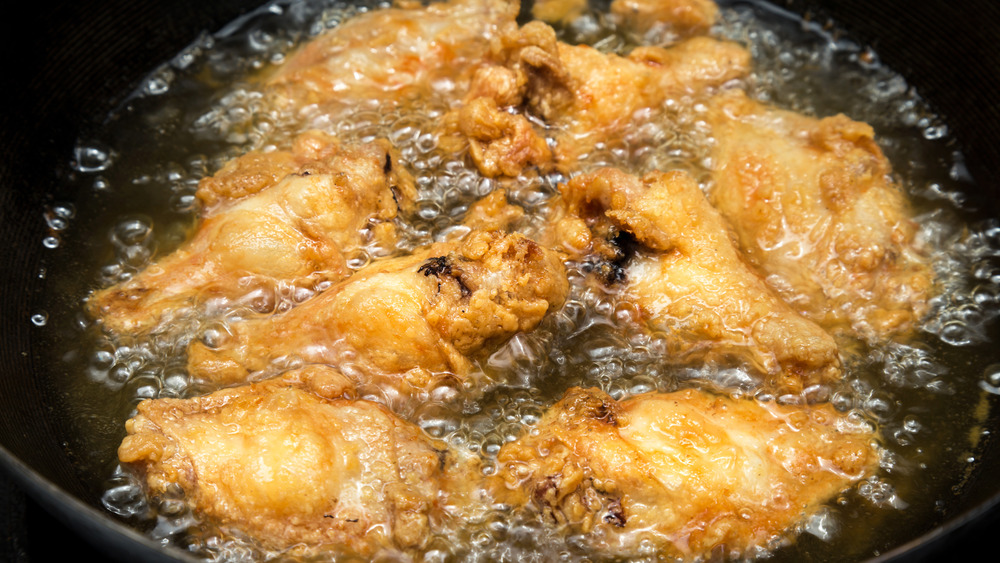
(524, 76)
(256, 171)
(689, 473)
(585, 96)
(500, 143)
(815, 208)
(409, 323)
(691, 281)
(275, 218)
(493, 212)
(297, 463)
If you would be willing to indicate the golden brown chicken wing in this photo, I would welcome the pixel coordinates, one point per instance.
(393, 55)
(297, 463)
(689, 279)
(408, 324)
(281, 218)
(687, 473)
(815, 208)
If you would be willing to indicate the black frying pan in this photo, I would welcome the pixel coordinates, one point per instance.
(72, 64)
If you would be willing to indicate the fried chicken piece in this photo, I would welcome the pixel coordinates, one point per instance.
(665, 20)
(688, 278)
(392, 54)
(500, 143)
(583, 95)
(688, 472)
(525, 69)
(284, 218)
(296, 462)
(816, 209)
(409, 324)
(493, 212)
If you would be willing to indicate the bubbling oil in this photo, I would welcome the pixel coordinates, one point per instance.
(200, 110)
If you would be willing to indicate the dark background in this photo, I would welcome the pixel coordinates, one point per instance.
(30, 533)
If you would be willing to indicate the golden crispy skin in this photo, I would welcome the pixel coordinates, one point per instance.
(408, 323)
(283, 218)
(665, 20)
(691, 281)
(500, 143)
(690, 472)
(393, 54)
(814, 206)
(493, 212)
(523, 74)
(295, 460)
(584, 95)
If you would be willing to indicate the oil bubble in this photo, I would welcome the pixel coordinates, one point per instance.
(131, 231)
(125, 498)
(64, 210)
(159, 83)
(824, 525)
(991, 379)
(92, 158)
(955, 333)
(56, 223)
